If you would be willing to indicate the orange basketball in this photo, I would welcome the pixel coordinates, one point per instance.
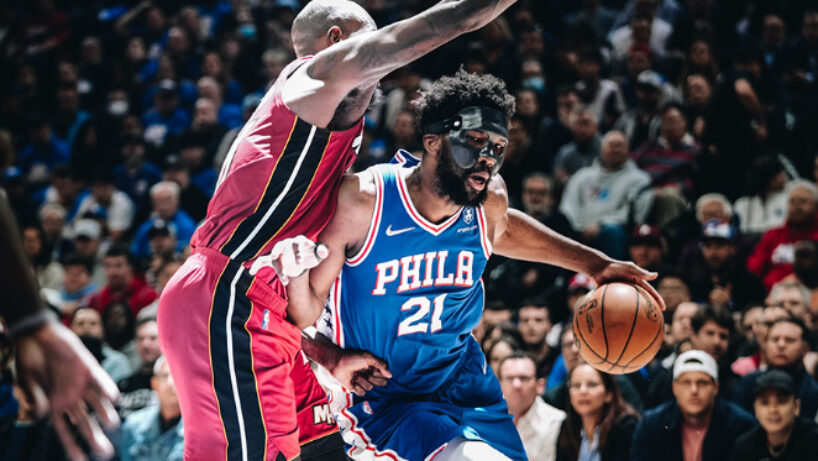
(618, 328)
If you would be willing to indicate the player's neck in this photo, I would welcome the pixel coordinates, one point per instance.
(423, 194)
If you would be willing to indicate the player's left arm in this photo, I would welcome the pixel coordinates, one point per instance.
(519, 236)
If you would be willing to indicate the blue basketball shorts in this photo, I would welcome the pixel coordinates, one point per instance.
(415, 428)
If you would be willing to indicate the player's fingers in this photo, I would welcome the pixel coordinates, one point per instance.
(363, 382)
(378, 367)
(103, 407)
(655, 294)
(104, 384)
(376, 381)
(36, 397)
(356, 388)
(64, 433)
(90, 430)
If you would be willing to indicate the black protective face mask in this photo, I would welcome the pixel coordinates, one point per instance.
(466, 149)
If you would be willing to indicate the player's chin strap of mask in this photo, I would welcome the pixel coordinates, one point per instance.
(466, 149)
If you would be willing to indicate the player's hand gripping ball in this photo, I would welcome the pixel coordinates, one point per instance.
(618, 328)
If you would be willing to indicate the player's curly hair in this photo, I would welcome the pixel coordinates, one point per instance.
(449, 94)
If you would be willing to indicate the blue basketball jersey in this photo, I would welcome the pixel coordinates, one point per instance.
(413, 293)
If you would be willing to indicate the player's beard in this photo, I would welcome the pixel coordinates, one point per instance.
(452, 180)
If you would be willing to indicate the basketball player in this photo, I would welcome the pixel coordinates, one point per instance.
(58, 375)
(223, 331)
(407, 247)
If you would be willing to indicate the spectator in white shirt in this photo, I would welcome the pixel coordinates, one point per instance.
(537, 422)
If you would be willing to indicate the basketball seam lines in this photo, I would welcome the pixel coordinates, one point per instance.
(587, 344)
(630, 334)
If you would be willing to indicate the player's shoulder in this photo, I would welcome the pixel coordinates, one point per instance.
(358, 191)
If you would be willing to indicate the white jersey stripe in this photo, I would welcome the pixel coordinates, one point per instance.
(278, 199)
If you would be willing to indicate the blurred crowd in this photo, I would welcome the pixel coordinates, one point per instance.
(675, 133)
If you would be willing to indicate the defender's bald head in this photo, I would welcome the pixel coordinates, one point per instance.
(312, 27)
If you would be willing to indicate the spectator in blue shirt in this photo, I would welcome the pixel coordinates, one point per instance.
(192, 154)
(229, 114)
(165, 119)
(165, 198)
(135, 175)
(43, 153)
(69, 117)
(155, 432)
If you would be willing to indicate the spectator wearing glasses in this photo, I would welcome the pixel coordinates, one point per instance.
(537, 422)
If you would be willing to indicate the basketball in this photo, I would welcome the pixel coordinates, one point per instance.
(618, 328)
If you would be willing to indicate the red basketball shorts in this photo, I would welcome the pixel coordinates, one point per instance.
(231, 353)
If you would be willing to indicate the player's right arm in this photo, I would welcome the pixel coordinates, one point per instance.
(346, 230)
(365, 58)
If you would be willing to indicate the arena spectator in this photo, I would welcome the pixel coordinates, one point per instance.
(794, 297)
(599, 423)
(785, 348)
(674, 290)
(122, 283)
(781, 434)
(69, 117)
(156, 431)
(108, 204)
(538, 201)
(136, 388)
(87, 324)
(166, 118)
(534, 323)
(66, 190)
(695, 424)
(556, 131)
(44, 152)
(711, 328)
(593, 13)
(583, 149)
(717, 275)
(805, 272)
(206, 127)
(601, 95)
(754, 357)
(602, 199)
(774, 254)
(766, 206)
(670, 161)
(641, 123)
(165, 198)
(680, 326)
(193, 157)
(119, 325)
(135, 176)
(77, 286)
(49, 272)
(646, 248)
(501, 348)
(696, 103)
(537, 422)
(229, 115)
(88, 245)
(644, 28)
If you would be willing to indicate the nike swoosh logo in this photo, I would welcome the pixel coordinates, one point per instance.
(392, 233)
